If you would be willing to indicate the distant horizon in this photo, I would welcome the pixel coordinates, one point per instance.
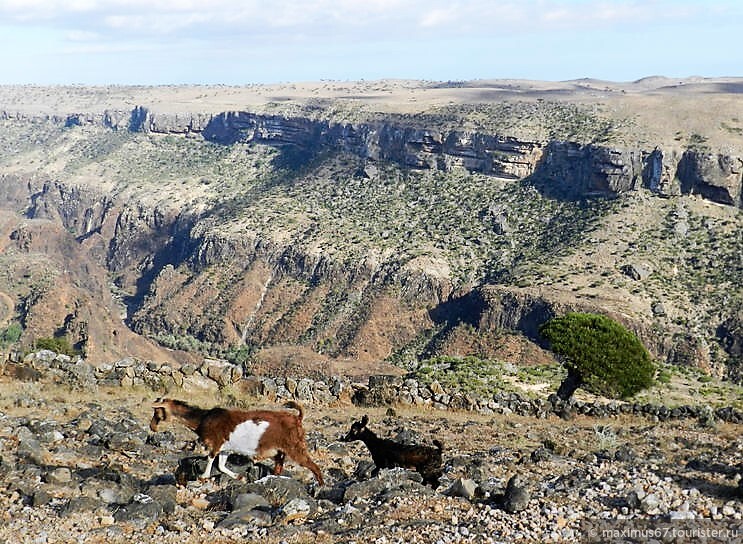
(222, 42)
(383, 79)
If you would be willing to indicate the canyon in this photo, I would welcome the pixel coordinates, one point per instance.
(362, 228)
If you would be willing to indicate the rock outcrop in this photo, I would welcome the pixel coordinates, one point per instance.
(563, 168)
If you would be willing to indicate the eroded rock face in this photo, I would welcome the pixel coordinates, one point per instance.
(713, 176)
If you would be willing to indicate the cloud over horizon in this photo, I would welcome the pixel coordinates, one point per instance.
(330, 29)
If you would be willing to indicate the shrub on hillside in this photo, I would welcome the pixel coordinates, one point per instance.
(600, 355)
(57, 344)
(11, 334)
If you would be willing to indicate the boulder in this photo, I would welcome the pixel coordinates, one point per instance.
(637, 271)
(516, 497)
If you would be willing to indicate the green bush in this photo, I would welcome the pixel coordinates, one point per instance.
(599, 354)
(239, 355)
(11, 334)
(664, 377)
(57, 344)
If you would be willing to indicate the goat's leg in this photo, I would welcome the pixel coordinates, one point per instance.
(222, 464)
(208, 469)
(303, 459)
(278, 461)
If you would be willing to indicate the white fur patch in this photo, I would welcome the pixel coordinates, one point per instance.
(244, 439)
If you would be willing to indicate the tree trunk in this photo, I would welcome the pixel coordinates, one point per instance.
(568, 386)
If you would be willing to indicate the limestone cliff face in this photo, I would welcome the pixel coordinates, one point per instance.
(565, 168)
(713, 176)
(573, 169)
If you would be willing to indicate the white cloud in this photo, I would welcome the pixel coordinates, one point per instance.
(82, 36)
(351, 19)
(439, 17)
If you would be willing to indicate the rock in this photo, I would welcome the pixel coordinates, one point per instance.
(247, 516)
(31, 449)
(706, 417)
(200, 503)
(381, 391)
(145, 512)
(364, 469)
(251, 386)
(199, 383)
(650, 504)
(165, 496)
(540, 454)
(80, 504)
(161, 439)
(728, 510)
(516, 497)
(41, 498)
(462, 487)
(624, 454)
(365, 490)
(190, 469)
(658, 309)
(633, 500)
(277, 490)
(61, 475)
(297, 509)
(436, 388)
(681, 515)
(109, 492)
(333, 494)
(126, 441)
(248, 501)
(304, 390)
(222, 372)
(637, 271)
(22, 371)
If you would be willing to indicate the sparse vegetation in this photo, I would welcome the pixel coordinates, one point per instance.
(466, 374)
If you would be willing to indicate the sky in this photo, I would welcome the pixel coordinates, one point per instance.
(239, 42)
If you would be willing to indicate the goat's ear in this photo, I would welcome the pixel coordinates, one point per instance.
(159, 403)
(364, 420)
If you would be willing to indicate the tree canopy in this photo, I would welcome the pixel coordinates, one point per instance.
(600, 354)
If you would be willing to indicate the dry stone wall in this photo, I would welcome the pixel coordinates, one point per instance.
(380, 390)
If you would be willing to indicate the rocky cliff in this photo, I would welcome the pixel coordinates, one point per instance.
(575, 169)
(192, 283)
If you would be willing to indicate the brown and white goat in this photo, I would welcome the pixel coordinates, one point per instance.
(258, 434)
(388, 453)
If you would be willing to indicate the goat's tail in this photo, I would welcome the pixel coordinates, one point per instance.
(439, 445)
(296, 406)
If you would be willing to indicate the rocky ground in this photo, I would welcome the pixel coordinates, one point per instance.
(82, 468)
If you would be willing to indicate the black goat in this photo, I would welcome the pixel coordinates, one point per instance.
(388, 453)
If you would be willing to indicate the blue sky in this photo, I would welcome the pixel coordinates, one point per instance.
(250, 41)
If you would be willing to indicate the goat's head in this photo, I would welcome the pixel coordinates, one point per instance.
(356, 431)
(161, 409)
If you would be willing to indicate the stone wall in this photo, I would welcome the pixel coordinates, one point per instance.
(380, 390)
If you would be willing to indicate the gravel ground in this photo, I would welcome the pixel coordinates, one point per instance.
(89, 472)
